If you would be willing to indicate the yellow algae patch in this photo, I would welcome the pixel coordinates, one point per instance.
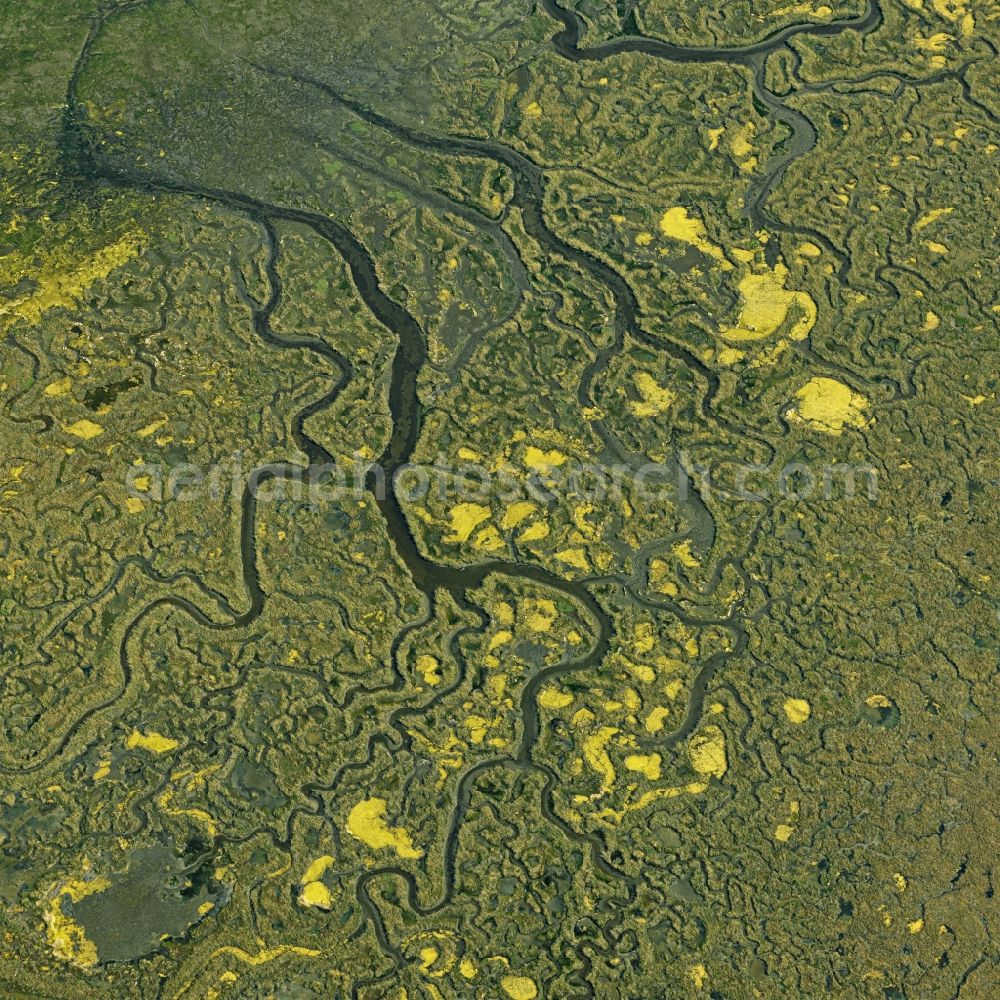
(265, 954)
(489, 540)
(152, 741)
(714, 135)
(915, 926)
(519, 987)
(829, 406)
(465, 518)
(648, 798)
(656, 719)
(534, 532)
(444, 752)
(643, 239)
(500, 639)
(655, 398)
(950, 9)
(85, 429)
(64, 288)
(533, 110)
(59, 388)
(66, 937)
(317, 869)
(596, 755)
(682, 550)
(931, 321)
(366, 822)
(199, 815)
(932, 216)
(554, 699)
(797, 710)
(766, 305)
(543, 461)
(673, 688)
(540, 613)
(313, 892)
(644, 639)
(678, 225)
(707, 751)
(516, 513)
(803, 8)
(478, 728)
(428, 668)
(698, 975)
(642, 673)
(467, 968)
(145, 432)
(646, 764)
(934, 247)
(808, 250)
(783, 832)
(739, 143)
(580, 514)
(660, 573)
(937, 42)
(577, 558)
(503, 613)
(430, 954)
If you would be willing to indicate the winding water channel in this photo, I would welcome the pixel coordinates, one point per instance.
(405, 409)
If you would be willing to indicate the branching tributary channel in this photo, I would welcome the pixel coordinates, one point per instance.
(86, 161)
